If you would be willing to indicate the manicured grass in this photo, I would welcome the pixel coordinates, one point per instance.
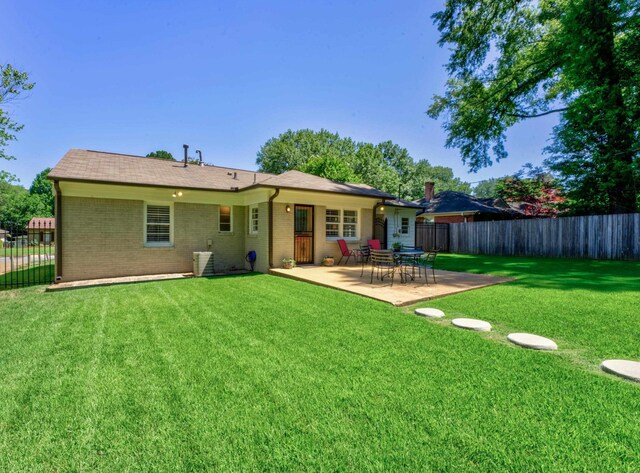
(41, 274)
(590, 307)
(263, 373)
(28, 250)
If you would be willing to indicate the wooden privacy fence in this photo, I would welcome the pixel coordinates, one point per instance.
(432, 236)
(614, 237)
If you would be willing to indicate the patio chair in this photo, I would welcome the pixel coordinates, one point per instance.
(346, 252)
(427, 261)
(384, 262)
(374, 244)
(365, 255)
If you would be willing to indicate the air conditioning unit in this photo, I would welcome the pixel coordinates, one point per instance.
(202, 263)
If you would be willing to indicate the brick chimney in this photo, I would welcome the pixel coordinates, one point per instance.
(428, 191)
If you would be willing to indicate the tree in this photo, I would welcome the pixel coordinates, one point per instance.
(441, 176)
(385, 166)
(538, 196)
(331, 168)
(18, 206)
(486, 188)
(43, 189)
(292, 149)
(12, 84)
(521, 59)
(161, 154)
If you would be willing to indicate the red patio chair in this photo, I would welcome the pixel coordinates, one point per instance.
(346, 252)
(374, 244)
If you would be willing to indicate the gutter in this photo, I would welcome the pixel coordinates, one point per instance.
(271, 199)
(58, 231)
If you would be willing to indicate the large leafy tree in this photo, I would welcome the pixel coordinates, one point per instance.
(292, 150)
(385, 166)
(42, 188)
(516, 60)
(19, 205)
(12, 83)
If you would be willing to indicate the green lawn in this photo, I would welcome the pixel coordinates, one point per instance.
(28, 250)
(263, 373)
(590, 307)
(43, 274)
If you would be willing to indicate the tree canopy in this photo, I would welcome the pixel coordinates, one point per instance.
(161, 154)
(521, 59)
(19, 205)
(12, 83)
(537, 196)
(486, 188)
(385, 166)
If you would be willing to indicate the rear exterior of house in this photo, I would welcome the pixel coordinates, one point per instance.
(121, 215)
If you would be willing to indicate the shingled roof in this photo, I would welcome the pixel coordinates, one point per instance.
(99, 166)
(455, 202)
(42, 223)
(304, 181)
(113, 168)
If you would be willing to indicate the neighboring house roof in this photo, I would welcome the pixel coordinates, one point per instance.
(459, 202)
(402, 203)
(113, 168)
(42, 223)
(304, 181)
(3, 232)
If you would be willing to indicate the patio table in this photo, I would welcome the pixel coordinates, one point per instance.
(414, 254)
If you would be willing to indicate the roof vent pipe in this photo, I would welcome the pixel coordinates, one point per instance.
(186, 153)
(199, 153)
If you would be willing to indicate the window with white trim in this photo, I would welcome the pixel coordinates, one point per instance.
(225, 223)
(253, 219)
(404, 225)
(333, 223)
(341, 223)
(158, 229)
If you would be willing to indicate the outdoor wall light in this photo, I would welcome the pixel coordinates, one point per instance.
(177, 194)
(381, 208)
(288, 208)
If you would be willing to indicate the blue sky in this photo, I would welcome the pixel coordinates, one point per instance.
(224, 77)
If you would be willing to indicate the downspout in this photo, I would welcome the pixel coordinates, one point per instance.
(271, 199)
(58, 231)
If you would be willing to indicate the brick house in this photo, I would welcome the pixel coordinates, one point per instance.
(123, 215)
(458, 207)
(41, 230)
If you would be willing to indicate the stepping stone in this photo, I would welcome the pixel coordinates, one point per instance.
(529, 340)
(472, 324)
(623, 368)
(429, 312)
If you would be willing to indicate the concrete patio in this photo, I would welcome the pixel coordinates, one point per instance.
(347, 278)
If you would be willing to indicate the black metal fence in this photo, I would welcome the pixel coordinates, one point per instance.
(27, 253)
(432, 236)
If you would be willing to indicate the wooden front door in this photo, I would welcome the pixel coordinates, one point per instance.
(303, 234)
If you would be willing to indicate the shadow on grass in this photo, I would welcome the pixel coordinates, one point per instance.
(556, 273)
(44, 274)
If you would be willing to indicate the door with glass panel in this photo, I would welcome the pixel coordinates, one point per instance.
(303, 234)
